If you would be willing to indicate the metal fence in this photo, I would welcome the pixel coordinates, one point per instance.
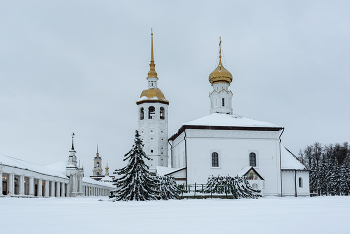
(201, 191)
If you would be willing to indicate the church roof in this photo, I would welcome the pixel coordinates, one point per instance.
(289, 161)
(217, 121)
(152, 95)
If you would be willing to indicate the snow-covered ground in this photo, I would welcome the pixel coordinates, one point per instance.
(88, 215)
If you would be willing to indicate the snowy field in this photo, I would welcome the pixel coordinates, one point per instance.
(88, 215)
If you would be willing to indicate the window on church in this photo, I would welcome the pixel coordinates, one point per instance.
(300, 182)
(142, 113)
(223, 102)
(97, 164)
(215, 159)
(151, 112)
(162, 113)
(252, 159)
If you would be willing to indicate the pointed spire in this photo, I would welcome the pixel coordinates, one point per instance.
(79, 162)
(220, 53)
(152, 67)
(72, 140)
(97, 148)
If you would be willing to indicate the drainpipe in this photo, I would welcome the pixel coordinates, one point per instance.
(281, 160)
(185, 154)
(171, 154)
(295, 183)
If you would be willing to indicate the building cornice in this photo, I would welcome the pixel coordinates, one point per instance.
(201, 127)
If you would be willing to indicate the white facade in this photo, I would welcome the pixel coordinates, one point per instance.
(193, 149)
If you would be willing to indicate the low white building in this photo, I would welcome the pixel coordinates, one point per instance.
(63, 179)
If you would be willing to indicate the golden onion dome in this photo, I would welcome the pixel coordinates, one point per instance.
(220, 74)
(152, 95)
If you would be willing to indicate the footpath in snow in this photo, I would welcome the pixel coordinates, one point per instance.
(88, 215)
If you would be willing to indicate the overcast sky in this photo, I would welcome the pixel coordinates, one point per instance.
(79, 66)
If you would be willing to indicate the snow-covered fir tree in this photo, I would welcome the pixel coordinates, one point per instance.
(239, 187)
(167, 188)
(136, 182)
(329, 167)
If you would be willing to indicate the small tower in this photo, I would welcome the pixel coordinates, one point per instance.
(107, 170)
(75, 173)
(97, 171)
(221, 96)
(153, 119)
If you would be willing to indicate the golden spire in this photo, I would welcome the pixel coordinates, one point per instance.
(152, 67)
(220, 74)
(220, 53)
(107, 168)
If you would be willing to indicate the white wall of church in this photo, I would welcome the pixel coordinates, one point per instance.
(291, 185)
(233, 147)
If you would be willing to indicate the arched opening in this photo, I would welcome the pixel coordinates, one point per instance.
(142, 113)
(162, 113)
(255, 186)
(223, 101)
(215, 159)
(151, 112)
(300, 182)
(252, 159)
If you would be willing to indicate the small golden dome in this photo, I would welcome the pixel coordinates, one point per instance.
(152, 95)
(220, 74)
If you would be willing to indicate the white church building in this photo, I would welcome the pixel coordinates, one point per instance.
(222, 143)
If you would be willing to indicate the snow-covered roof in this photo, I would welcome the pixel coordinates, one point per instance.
(161, 171)
(289, 161)
(15, 162)
(243, 171)
(223, 120)
(107, 178)
(92, 181)
(59, 167)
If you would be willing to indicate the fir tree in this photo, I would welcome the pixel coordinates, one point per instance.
(136, 182)
(239, 187)
(167, 188)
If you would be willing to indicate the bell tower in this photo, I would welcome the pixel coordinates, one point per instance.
(153, 119)
(97, 171)
(221, 96)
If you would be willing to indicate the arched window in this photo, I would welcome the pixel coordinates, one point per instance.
(215, 159)
(151, 112)
(162, 113)
(223, 101)
(252, 159)
(300, 182)
(255, 186)
(142, 113)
